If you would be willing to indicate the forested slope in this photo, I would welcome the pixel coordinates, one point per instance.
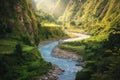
(92, 15)
(19, 56)
(101, 19)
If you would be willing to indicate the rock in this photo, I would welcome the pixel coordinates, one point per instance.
(63, 70)
(78, 65)
(59, 53)
(51, 77)
(52, 74)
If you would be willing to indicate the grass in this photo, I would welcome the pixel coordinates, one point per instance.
(7, 46)
(50, 24)
(28, 48)
(7, 42)
(24, 66)
(76, 49)
(71, 35)
(76, 30)
(6, 49)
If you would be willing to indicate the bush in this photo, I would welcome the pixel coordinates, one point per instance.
(26, 40)
(85, 74)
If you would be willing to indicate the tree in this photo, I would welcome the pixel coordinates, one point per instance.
(18, 49)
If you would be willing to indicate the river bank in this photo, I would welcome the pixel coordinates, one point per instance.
(71, 56)
(67, 64)
(60, 53)
(53, 74)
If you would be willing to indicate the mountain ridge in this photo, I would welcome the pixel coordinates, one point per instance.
(92, 13)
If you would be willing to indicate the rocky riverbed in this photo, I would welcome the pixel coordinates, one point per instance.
(59, 53)
(68, 63)
(64, 54)
(52, 74)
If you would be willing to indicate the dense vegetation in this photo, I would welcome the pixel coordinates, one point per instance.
(92, 15)
(101, 18)
(48, 28)
(21, 30)
(20, 33)
(101, 58)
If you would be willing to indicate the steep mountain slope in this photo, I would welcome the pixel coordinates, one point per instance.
(90, 14)
(19, 56)
(20, 20)
(101, 18)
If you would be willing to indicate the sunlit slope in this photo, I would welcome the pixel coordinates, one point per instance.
(54, 7)
(92, 14)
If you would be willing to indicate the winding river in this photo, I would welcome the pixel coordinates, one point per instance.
(69, 66)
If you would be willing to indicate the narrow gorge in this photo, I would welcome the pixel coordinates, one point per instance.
(27, 24)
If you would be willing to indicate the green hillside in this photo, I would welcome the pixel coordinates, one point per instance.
(19, 56)
(22, 28)
(92, 15)
(101, 19)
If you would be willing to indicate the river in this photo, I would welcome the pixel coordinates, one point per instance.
(69, 66)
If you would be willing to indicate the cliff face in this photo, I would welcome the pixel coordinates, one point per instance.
(92, 13)
(18, 19)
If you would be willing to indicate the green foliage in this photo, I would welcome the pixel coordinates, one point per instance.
(26, 40)
(101, 56)
(72, 23)
(85, 75)
(104, 56)
(19, 57)
(46, 33)
(4, 29)
(25, 64)
(45, 17)
(77, 49)
(92, 15)
(18, 49)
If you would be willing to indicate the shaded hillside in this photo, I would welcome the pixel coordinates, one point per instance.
(17, 18)
(92, 14)
(19, 56)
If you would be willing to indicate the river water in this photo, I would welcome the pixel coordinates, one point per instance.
(69, 66)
